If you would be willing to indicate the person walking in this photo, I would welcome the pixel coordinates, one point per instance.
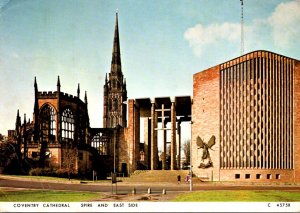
(178, 179)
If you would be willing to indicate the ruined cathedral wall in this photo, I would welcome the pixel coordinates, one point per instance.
(51, 101)
(122, 148)
(129, 150)
(206, 122)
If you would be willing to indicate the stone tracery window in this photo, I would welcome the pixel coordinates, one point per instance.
(100, 142)
(68, 124)
(114, 83)
(116, 104)
(81, 127)
(109, 104)
(48, 123)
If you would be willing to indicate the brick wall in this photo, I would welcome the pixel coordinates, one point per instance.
(122, 148)
(206, 122)
(206, 119)
(132, 136)
(297, 121)
(259, 175)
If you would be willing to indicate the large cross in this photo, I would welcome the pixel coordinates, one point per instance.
(163, 117)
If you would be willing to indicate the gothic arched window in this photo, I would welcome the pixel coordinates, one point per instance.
(100, 142)
(116, 107)
(109, 104)
(81, 127)
(48, 123)
(114, 83)
(68, 124)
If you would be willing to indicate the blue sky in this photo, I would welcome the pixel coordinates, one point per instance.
(163, 43)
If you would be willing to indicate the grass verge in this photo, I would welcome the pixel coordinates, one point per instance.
(240, 196)
(46, 196)
(49, 178)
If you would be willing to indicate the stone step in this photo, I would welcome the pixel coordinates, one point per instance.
(158, 176)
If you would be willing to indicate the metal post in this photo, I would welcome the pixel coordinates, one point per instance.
(191, 170)
(114, 153)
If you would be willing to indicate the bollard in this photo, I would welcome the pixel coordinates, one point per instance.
(164, 192)
(133, 191)
(149, 190)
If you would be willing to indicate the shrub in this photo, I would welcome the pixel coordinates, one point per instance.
(42, 172)
(63, 173)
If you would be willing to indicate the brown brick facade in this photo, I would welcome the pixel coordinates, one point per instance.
(133, 136)
(250, 105)
(205, 118)
(296, 119)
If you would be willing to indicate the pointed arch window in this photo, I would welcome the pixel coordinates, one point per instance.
(109, 104)
(112, 120)
(114, 83)
(81, 127)
(100, 142)
(116, 107)
(68, 124)
(48, 123)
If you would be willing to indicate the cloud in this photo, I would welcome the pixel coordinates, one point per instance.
(278, 31)
(285, 24)
(200, 37)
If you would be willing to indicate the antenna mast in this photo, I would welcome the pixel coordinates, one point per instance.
(242, 27)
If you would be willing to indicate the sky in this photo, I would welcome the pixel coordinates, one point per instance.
(163, 43)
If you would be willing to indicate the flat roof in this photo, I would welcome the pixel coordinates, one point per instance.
(183, 106)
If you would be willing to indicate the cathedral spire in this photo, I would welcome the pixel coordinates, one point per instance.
(78, 91)
(58, 83)
(116, 54)
(114, 111)
(18, 121)
(35, 85)
(85, 98)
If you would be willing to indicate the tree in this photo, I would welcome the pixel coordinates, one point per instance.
(10, 160)
(70, 160)
(1, 138)
(187, 153)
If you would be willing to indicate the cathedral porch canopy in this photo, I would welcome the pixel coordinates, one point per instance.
(182, 106)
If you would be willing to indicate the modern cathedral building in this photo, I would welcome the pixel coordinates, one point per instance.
(244, 115)
(251, 106)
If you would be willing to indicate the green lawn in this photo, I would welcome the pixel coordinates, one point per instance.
(54, 178)
(40, 177)
(46, 196)
(240, 196)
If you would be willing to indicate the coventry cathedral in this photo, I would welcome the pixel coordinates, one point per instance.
(60, 127)
(244, 118)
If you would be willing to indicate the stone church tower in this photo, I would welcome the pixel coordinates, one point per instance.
(115, 93)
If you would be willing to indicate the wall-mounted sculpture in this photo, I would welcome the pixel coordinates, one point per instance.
(205, 154)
